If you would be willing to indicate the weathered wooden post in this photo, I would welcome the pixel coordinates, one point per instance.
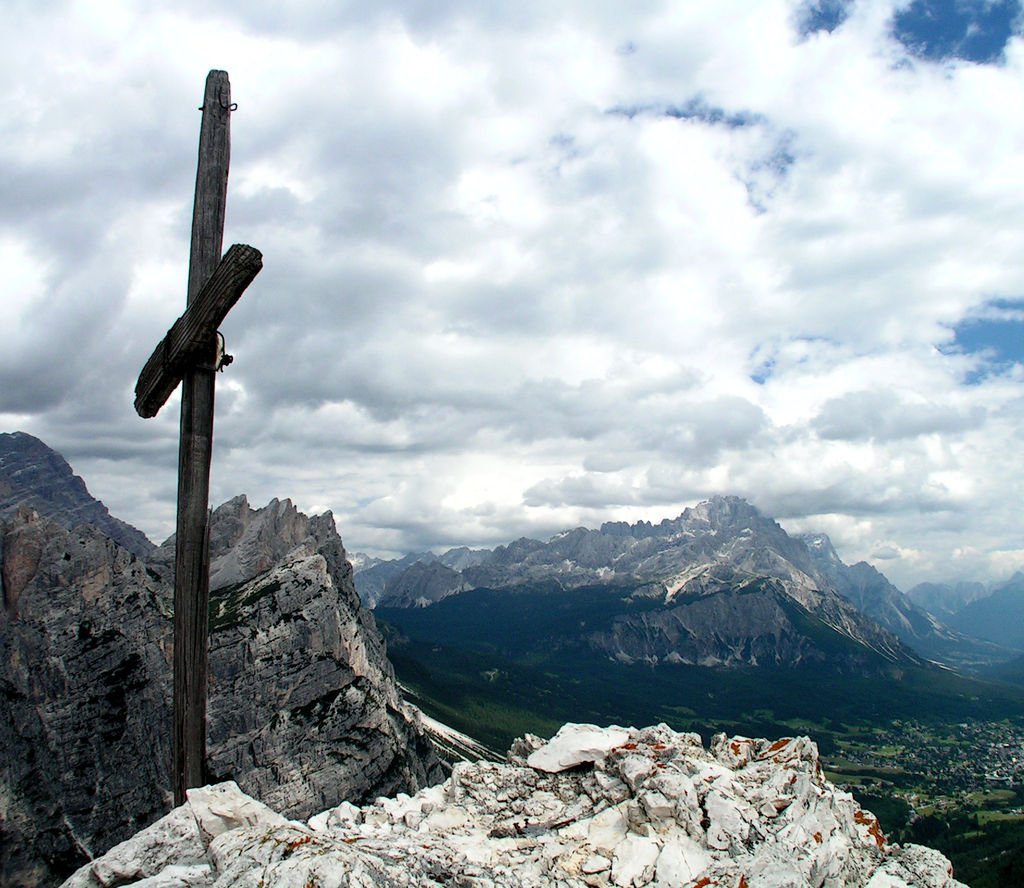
(189, 354)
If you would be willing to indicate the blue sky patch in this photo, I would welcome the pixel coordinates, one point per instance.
(764, 175)
(697, 109)
(822, 15)
(971, 30)
(763, 373)
(994, 333)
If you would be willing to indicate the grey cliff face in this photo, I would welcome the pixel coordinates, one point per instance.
(303, 708)
(295, 641)
(32, 473)
(84, 707)
(756, 628)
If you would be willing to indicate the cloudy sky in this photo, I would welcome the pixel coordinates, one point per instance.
(533, 265)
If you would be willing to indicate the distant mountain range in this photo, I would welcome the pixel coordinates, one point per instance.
(874, 596)
(719, 585)
(945, 599)
(994, 612)
(715, 617)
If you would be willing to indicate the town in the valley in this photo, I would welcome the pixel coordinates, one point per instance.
(937, 768)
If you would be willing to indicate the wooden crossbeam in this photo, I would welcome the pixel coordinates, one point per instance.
(188, 341)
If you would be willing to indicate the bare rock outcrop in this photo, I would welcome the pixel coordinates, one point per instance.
(322, 709)
(593, 807)
(303, 708)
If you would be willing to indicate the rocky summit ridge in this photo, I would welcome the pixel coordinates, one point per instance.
(596, 807)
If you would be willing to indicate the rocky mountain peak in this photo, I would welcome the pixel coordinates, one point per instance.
(303, 707)
(32, 473)
(721, 512)
(244, 541)
(821, 545)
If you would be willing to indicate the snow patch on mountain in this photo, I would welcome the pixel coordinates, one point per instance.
(677, 582)
(450, 743)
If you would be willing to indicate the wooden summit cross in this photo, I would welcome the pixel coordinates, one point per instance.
(190, 354)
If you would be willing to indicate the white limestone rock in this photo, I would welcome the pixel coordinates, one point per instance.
(635, 860)
(650, 808)
(177, 876)
(224, 807)
(173, 844)
(575, 745)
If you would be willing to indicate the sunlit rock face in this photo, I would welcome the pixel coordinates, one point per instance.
(303, 709)
(593, 807)
(307, 709)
